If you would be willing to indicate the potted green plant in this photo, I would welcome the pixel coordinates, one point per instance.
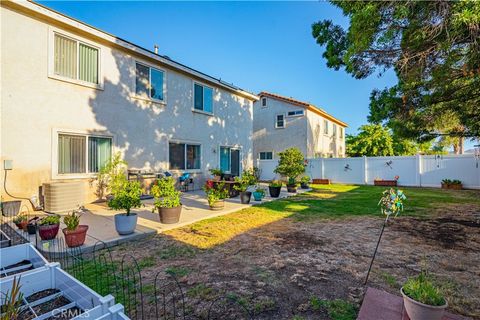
(274, 188)
(304, 182)
(125, 197)
(167, 200)
(48, 227)
(216, 195)
(216, 173)
(242, 184)
(259, 193)
(74, 233)
(422, 299)
(21, 221)
(291, 164)
(110, 177)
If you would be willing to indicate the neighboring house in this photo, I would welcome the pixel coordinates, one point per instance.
(280, 123)
(72, 95)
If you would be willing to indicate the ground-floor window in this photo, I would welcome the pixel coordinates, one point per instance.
(184, 156)
(230, 160)
(266, 155)
(82, 153)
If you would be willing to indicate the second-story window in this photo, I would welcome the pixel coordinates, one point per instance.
(325, 126)
(75, 60)
(264, 102)
(280, 121)
(341, 132)
(149, 82)
(203, 98)
(296, 113)
(334, 130)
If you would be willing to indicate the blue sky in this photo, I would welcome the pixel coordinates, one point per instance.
(258, 46)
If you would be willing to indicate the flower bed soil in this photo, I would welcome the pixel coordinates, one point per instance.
(19, 264)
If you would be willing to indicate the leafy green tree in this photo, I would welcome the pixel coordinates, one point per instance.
(434, 49)
(126, 196)
(291, 164)
(373, 140)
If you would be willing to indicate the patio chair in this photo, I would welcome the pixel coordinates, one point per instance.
(185, 182)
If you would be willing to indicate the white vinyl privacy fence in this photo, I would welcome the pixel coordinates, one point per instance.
(419, 170)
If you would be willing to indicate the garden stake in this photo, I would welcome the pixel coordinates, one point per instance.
(376, 248)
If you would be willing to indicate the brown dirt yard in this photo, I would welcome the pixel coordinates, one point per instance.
(306, 257)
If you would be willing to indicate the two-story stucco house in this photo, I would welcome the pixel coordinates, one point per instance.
(72, 95)
(280, 123)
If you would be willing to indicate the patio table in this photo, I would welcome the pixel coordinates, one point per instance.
(232, 193)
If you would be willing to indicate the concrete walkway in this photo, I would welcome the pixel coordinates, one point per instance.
(100, 220)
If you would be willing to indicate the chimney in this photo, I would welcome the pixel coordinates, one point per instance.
(155, 49)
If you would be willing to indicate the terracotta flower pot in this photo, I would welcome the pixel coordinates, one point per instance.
(217, 205)
(170, 215)
(48, 232)
(75, 238)
(22, 225)
(421, 311)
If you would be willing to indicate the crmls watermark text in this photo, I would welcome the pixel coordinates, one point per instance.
(69, 313)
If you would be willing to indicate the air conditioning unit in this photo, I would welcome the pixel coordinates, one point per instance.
(61, 197)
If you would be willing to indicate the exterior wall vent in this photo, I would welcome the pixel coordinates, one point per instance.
(61, 197)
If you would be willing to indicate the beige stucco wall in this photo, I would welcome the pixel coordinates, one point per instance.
(305, 132)
(322, 144)
(34, 106)
(268, 138)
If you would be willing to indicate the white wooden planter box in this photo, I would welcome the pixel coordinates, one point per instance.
(16, 254)
(51, 276)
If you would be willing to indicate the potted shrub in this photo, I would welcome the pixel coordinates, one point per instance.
(422, 299)
(274, 188)
(167, 200)
(110, 177)
(125, 197)
(32, 225)
(291, 165)
(304, 181)
(242, 184)
(21, 221)
(74, 233)
(216, 195)
(48, 227)
(259, 193)
(216, 173)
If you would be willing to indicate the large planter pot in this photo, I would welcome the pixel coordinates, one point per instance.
(291, 188)
(48, 232)
(304, 185)
(245, 197)
(258, 196)
(170, 215)
(75, 238)
(32, 228)
(274, 191)
(22, 225)
(419, 311)
(452, 186)
(217, 205)
(125, 224)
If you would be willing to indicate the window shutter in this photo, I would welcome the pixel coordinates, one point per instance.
(65, 57)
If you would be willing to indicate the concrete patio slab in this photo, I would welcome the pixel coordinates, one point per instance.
(100, 220)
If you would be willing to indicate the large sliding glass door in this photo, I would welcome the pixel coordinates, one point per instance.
(230, 160)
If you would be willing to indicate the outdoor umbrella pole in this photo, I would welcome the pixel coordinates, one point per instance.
(376, 248)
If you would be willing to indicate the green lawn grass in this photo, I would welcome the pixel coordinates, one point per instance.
(323, 202)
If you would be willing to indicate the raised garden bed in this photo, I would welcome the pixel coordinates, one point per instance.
(321, 181)
(19, 259)
(4, 240)
(385, 183)
(456, 186)
(51, 293)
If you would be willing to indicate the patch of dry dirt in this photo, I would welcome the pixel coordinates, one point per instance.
(278, 268)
